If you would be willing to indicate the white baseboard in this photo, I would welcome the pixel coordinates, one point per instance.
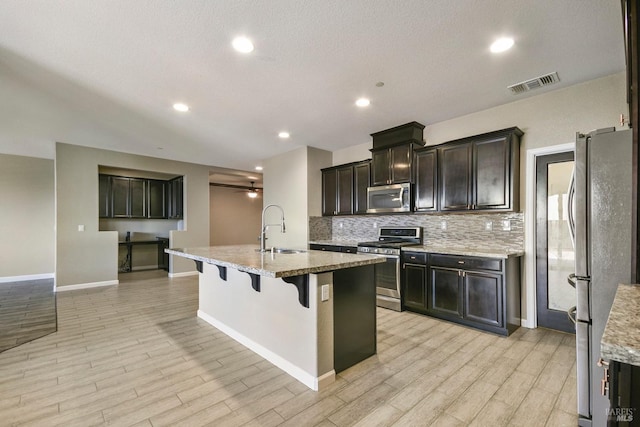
(86, 285)
(26, 277)
(526, 324)
(314, 383)
(185, 274)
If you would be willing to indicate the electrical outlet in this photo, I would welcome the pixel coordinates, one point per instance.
(443, 225)
(341, 225)
(325, 292)
(488, 226)
(375, 225)
(506, 225)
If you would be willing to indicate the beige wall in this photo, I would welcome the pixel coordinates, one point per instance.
(293, 181)
(27, 217)
(235, 218)
(90, 256)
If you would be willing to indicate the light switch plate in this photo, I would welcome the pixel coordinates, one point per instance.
(325, 292)
(443, 225)
(81, 227)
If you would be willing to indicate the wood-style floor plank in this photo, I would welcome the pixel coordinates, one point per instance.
(137, 355)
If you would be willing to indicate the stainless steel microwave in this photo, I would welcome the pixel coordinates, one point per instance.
(389, 198)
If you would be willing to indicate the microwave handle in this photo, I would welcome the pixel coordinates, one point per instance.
(404, 196)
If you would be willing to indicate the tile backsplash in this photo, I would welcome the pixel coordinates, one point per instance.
(470, 229)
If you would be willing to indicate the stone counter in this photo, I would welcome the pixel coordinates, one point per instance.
(621, 338)
(247, 259)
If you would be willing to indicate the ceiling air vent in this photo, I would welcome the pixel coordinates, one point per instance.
(536, 83)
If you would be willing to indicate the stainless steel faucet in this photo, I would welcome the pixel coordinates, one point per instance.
(263, 228)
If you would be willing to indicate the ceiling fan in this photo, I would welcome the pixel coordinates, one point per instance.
(253, 192)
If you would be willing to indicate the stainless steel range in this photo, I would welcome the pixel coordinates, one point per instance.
(387, 275)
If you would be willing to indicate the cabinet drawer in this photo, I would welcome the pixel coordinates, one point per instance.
(414, 257)
(328, 248)
(466, 263)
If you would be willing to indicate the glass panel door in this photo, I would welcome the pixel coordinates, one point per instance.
(555, 253)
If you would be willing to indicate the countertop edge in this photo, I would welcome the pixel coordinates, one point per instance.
(621, 338)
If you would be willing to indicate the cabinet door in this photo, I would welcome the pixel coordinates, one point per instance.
(362, 177)
(415, 292)
(483, 298)
(345, 191)
(104, 201)
(381, 173)
(426, 180)
(156, 203)
(119, 196)
(444, 295)
(455, 177)
(137, 198)
(401, 164)
(491, 174)
(329, 192)
(176, 198)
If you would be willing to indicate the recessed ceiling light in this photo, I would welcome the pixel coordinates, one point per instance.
(284, 135)
(363, 102)
(258, 168)
(501, 44)
(242, 44)
(180, 107)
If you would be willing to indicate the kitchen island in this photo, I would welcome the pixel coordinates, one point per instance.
(311, 313)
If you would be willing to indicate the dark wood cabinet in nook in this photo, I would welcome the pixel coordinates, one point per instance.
(481, 172)
(128, 197)
(156, 199)
(344, 189)
(104, 196)
(175, 203)
(426, 180)
(392, 165)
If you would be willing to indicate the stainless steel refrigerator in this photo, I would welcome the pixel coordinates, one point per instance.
(602, 231)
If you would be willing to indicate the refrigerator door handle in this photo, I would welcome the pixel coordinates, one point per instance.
(571, 314)
(571, 206)
(571, 281)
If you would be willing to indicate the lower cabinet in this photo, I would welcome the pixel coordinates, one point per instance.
(624, 395)
(473, 291)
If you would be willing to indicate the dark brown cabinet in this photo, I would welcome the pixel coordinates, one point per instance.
(475, 291)
(426, 180)
(481, 172)
(344, 189)
(128, 197)
(414, 281)
(362, 180)
(175, 191)
(156, 199)
(104, 196)
(624, 394)
(392, 165)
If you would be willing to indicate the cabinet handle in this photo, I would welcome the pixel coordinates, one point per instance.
(412, 257)
(604, 382)
(460, 262)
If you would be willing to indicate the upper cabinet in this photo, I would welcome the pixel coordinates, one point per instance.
(124, 197)
(175, 201)
(344, 189)
(426, 180)
(128, 197)
(392, 165)
(392, 153)
(481, 172)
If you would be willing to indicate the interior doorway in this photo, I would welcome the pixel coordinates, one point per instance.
(554, 246)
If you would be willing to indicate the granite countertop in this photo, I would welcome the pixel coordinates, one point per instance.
(246, 258)
(621, 338)
(487, 252)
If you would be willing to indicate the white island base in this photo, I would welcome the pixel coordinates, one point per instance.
(272, 322)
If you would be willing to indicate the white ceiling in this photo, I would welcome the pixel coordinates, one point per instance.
(117, 66)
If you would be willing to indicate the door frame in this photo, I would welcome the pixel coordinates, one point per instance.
(531, 320)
